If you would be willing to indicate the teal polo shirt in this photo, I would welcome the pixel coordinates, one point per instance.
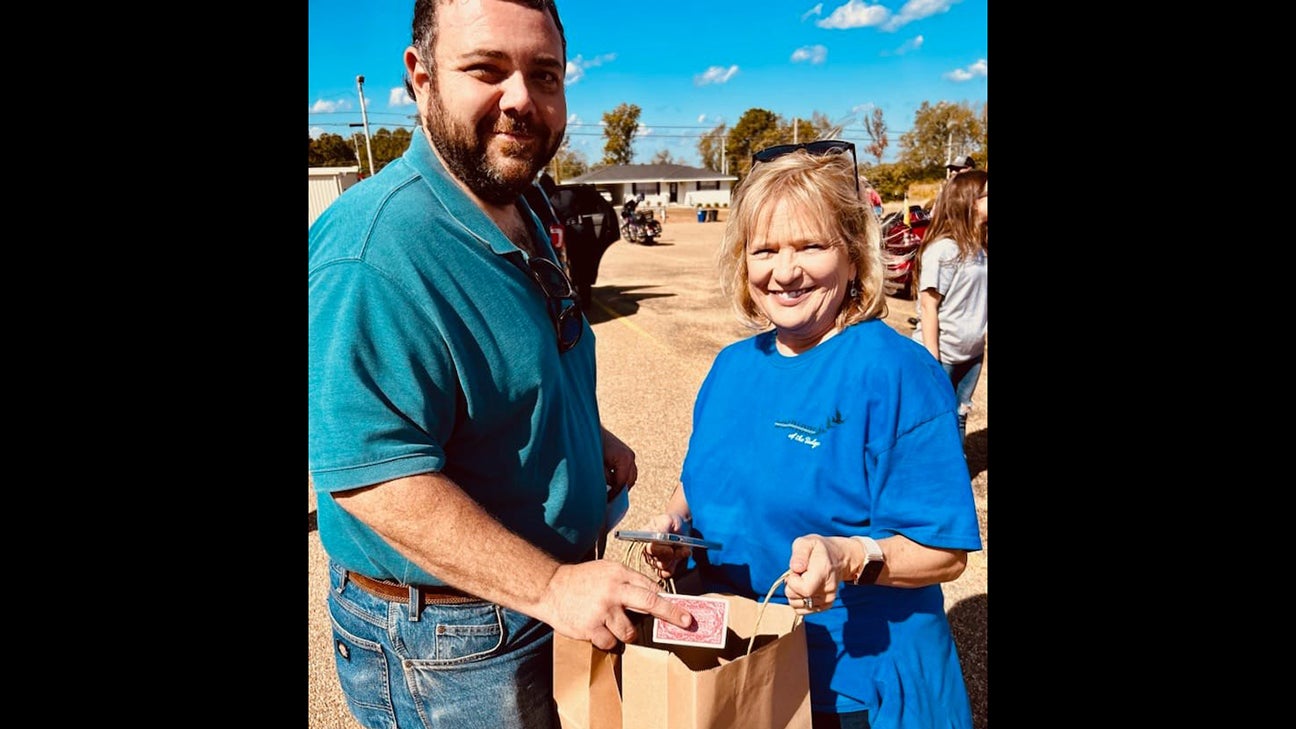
(432, 350)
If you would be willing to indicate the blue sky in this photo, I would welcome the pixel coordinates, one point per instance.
(688, 66)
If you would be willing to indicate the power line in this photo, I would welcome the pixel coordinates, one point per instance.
(848, 133)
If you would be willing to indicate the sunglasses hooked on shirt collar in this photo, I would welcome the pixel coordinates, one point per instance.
(816, 148)
(564, 311)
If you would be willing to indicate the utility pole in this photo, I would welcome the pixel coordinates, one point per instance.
(355, 141)
(949, 145)
(724, 163)
(364, 116)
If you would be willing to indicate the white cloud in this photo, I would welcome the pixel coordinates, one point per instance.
(701, 118)
(715, 75)
(855, 14)
(323, 106)
(399, 97)
(980, 69)
(859, 14)
(912, 44)
(573, 119)
(814, 54)
(816, 10)
(643, 131)
(576, 66)
(917, 10)
(315, 132)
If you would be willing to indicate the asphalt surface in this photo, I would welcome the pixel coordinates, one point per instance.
(659, 320)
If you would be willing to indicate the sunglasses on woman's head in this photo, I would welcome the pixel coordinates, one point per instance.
(563, 309)
(818, 148)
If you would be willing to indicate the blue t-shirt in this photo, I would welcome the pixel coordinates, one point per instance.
(857, 436)
(431, 349)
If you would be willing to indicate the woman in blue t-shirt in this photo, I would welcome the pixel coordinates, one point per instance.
(827, 446)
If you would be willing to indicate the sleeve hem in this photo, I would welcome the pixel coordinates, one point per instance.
(329, 480)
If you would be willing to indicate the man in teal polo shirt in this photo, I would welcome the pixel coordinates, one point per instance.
(455, 444)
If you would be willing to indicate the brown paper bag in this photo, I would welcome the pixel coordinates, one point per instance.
(761, 678)
(585, 685)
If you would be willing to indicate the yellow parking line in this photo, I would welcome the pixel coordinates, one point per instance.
(616, 316)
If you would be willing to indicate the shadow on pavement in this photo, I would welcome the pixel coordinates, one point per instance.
(968, 624)
(610, 302)
(974, 447)
(311, 524)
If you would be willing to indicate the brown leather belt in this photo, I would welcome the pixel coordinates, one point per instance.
(428, 594)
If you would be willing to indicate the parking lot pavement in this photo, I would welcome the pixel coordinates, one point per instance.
(659, 319)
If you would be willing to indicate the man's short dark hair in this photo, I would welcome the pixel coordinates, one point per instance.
(424, 29)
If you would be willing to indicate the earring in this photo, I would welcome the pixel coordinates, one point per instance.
(853, 292)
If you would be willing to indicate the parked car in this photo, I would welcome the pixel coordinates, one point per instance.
(587, 223)
(901, 242)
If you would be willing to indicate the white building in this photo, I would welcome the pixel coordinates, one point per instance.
(326, 183)
(661, 184)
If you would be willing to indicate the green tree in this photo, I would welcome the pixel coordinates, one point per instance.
(985, 132)
(940, 133)
(567, 163)
(891, 180)
(662, 158)
(388, 145)
(619, 127)
(331, 150)
(819, 127)
(876, 129)
(313, 155)
(756, 129)
(710, 148)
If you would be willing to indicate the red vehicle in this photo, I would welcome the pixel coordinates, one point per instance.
(901, 241)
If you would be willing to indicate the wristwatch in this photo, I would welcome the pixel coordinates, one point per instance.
(873, 561)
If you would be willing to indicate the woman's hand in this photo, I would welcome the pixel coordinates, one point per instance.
(817, 564)
(664, 557)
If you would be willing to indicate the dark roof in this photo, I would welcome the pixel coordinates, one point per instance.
(649, 173)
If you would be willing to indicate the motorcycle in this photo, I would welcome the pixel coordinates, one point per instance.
(639, 227)
(900, 245)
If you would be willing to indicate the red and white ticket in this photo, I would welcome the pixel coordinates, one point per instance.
(710, 622)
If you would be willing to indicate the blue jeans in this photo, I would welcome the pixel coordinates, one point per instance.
(964, 377)
(472, 666)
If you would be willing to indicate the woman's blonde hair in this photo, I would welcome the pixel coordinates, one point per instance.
(823, 186)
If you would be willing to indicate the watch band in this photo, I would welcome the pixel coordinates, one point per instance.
(874, 558)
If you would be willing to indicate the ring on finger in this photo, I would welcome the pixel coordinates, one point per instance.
(808, 602)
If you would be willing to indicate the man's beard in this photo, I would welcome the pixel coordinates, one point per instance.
(465, 155)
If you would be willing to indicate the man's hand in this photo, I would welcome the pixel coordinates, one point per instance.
(587, 601)
(618, 464)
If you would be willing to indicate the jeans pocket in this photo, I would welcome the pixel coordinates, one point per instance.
(480, 666)
(363, 671)
(448, 635)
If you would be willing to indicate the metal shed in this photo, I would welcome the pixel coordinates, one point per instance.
(326, 183)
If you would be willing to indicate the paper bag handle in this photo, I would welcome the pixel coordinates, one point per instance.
(782, 578)
(667, 584)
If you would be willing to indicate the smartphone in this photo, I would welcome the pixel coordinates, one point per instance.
(675, 540)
